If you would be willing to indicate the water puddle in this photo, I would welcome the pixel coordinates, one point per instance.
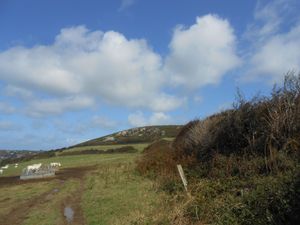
(69, 214)
(55, 190)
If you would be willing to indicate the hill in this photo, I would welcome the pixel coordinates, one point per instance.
(136, 135)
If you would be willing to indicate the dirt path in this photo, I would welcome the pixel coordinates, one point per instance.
(74, 203)
(18, 214)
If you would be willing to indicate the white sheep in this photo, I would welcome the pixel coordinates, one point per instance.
(34, 166)
(1, 171)
(55, 164)
(5, 167)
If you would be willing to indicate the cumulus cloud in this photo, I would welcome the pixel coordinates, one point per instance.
(100, 65)
(202, 53)
(138, 119)
(84, 68)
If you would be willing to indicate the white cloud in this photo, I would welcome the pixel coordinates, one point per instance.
(280, 54)
(100, 65)
(269, 17)
(202, 53)
(158, 118)
(165, 102)
(138, 119)
(40, 108)
(84, 68)
(276, 49)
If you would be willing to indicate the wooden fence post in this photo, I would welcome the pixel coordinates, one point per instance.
(181, 173)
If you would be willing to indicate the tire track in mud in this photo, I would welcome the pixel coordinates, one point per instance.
(74, 204)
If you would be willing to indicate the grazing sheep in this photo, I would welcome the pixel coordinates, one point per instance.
(34, 166)
(1, 171)
(55, 164)
(5, 167)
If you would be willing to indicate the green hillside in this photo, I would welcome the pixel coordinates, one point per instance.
(145, 134)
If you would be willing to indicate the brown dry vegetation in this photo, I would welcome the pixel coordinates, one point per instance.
(242, 164)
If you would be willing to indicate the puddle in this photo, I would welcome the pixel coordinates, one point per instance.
(69, 214)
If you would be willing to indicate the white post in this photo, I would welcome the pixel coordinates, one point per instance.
(181, 173)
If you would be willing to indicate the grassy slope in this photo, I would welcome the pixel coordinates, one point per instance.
(170, 131)
(112, 193)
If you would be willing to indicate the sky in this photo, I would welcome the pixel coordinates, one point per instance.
(74, 70)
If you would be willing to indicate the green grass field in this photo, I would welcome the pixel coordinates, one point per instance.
(111, 192)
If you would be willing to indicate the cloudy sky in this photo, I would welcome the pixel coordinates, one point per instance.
(74, 70)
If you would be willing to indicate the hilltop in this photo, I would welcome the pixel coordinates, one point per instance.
(136, 135)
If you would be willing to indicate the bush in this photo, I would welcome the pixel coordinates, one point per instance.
(242, 164)
(157, 159)
(259, 127)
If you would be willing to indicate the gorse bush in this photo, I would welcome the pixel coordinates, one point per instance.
(242, 164)
(157, 158)
(259, 127)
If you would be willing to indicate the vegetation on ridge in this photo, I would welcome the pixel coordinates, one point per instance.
(242, 164)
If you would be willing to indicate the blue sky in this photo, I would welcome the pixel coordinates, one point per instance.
(75, 70)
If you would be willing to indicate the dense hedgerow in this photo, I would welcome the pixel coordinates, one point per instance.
(242, 164)
(259, 127)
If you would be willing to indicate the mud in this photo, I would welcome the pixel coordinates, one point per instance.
(69, 214)
(18, 214)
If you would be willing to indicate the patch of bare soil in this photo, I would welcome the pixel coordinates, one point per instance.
(18, 214)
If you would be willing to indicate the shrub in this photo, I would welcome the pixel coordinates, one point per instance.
(242, 164)
(158, 159)
(259, 127)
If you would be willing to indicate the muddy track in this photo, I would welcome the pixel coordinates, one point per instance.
(74, 203)
(18, 214)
